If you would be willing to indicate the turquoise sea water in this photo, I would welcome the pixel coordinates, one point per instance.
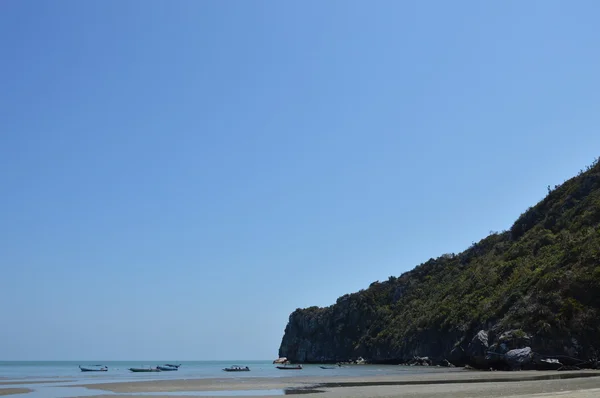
(118, 370)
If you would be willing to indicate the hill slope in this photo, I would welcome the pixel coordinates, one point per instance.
(536, 285)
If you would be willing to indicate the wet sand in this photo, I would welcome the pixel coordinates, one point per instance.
(8, 383)
(460, 384)
(11, 391)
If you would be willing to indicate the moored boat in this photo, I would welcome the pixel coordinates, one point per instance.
(327, 367)
(290, 367)
(138, 370)
(167, 368)
(237, 368)
(172, 366)
(93, 368)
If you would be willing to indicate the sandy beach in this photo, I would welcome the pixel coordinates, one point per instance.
(11, 382)
(460, 384)
(12, 391)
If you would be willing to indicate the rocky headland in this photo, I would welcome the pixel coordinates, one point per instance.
(526, 298)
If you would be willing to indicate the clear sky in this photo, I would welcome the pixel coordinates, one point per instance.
(178, 176)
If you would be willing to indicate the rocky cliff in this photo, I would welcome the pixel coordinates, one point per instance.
(530, 294)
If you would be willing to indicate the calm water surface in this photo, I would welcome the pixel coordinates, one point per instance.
(118, 370)
(61, 377)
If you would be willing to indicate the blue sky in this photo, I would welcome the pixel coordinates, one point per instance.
(177, 177)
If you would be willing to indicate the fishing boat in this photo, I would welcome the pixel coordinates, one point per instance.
(172, 366)
(237, 368)
(290, 367)
(167, 368)
(327, 367)
(93, 368)
(137, 370)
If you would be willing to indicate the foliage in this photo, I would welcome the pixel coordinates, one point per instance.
(541, 277)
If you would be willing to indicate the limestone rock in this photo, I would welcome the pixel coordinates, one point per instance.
(548, 364)
(477, 350)
(519, 358)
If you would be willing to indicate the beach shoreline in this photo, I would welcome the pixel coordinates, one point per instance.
(14, 391)
(582, 384)
(9, 382)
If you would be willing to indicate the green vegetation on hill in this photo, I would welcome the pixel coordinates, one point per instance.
(541, 279)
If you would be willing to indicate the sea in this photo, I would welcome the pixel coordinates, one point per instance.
(119, 370)
(63, 379)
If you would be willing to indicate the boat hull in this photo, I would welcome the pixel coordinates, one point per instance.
(289, 367)
(84, 369)
(167, 369)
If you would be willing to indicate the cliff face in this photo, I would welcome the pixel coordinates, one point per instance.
(536, 285)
